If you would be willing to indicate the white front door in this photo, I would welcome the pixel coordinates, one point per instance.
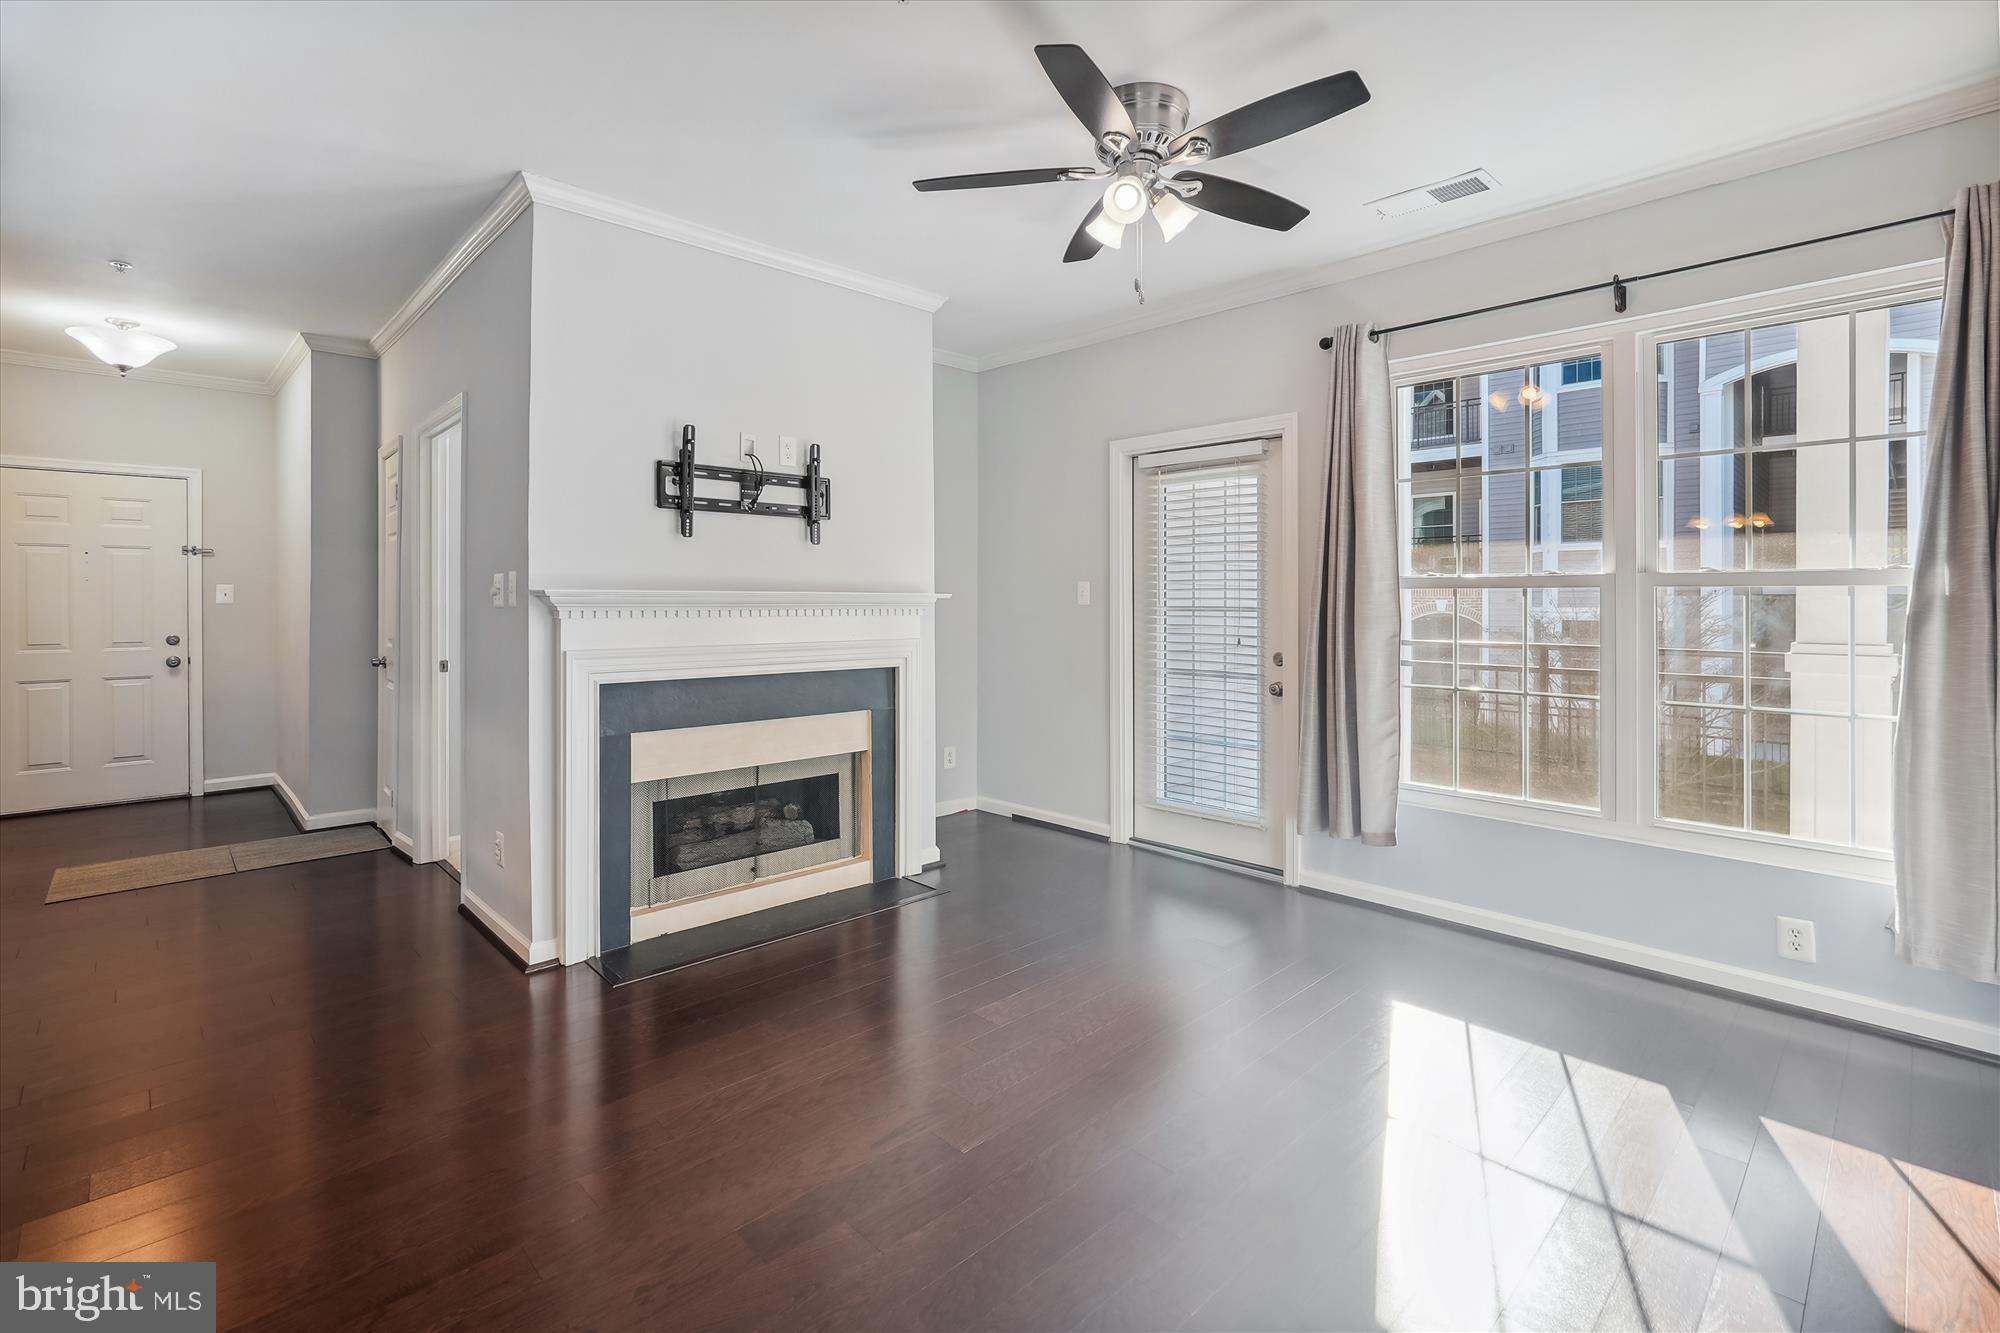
(95, 643)
(1211, 637)
(388, 628)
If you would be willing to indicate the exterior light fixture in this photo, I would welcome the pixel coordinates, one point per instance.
(123, 346)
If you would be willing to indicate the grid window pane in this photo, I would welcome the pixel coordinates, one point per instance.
(1705, 512)
(1562, 750)
(1798, 389)
(1810, 676)
(1703, 411)
(1489, 742)
(1888, 497)
(1800, 514)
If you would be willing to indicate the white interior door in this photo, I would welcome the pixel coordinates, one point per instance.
(388, 625)
(95, 645)
(1212, 731)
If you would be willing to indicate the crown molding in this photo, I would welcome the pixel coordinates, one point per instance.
(498, 215)
(956, 360)
(183, 378)
(1946, 108)
(294, 356)
(335, 345)
(568, 198)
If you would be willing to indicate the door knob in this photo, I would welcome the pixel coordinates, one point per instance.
(1277, 688)
(173, 662)
(173, 640)
(378, 661)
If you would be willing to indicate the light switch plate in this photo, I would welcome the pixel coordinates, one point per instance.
(225, 594)
(951, 756)
(499, 590)
(788, 451)
(1083, 592)
(513, 588)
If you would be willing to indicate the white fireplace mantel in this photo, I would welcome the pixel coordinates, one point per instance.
(606, 636)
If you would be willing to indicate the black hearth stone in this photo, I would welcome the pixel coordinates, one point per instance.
(685, 948)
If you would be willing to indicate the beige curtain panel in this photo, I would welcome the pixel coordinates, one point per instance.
(1353, 740)
(1947, 792)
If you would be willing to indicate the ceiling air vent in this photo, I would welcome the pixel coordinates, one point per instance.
(1462, 186)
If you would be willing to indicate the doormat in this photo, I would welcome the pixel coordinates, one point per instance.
(146, 872)
(685, 948)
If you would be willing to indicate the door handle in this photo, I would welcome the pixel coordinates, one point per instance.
(378, 661)
(173, 640)
(173, 662)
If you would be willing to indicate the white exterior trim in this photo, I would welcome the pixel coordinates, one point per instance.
(609, 636)
(197, 646)
(1742, 980)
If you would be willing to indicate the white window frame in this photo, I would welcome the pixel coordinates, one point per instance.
(1626, 774)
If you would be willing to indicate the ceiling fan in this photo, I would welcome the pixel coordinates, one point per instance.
(1144, 149)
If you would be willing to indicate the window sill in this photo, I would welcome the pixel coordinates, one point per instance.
(1869, 867)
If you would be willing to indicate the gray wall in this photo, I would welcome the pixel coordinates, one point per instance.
(344, 421)
(292, 496)
(634, 335)
(474, 341)
(955, 443)
(1043, 426)
(230, 437)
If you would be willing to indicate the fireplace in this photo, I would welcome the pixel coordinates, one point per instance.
(737, 817)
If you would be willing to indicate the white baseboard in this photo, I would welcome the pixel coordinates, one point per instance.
(929, 856)
(957, 807)
(241, 782)
(528, 954)
(1744, 981)
(993, 807)
(313, 823)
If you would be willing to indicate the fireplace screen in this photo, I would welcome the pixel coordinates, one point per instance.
(708, 832)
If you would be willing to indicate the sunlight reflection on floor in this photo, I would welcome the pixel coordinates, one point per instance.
(1526, 1188)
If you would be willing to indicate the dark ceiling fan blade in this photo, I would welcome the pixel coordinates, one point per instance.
(986, 180)
(1279, 114)
(1242, 203)
(1083, 85)
(1083, 245)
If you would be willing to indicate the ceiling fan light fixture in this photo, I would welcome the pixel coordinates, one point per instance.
(1172, 215)
(122, 345)
(1126, 198)
(1105, 231)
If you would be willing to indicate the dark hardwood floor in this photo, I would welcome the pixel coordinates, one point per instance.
(1089, 1088)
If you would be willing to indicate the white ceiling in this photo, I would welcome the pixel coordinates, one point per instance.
(276, 167)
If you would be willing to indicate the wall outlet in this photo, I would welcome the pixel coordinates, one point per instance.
(499, 590)
(225, 594)
(746, 445)
(951, 756)
(1795, 940)
(513, 588)
(1083, 592)
(788, 451)
(499, 848)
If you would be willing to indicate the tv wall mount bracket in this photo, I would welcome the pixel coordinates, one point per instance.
(674, 489)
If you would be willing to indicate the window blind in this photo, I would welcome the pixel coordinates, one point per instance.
(1199, 584)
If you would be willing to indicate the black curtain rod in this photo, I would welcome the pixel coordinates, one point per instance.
(1617, 285)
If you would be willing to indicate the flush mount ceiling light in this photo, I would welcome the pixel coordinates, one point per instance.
(123, 345)
(1144, 148)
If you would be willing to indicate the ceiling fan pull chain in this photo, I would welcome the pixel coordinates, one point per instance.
(1139, 279)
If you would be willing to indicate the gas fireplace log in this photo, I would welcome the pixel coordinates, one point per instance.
(772, 836)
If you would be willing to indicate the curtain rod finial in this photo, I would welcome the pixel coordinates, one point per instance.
(1374, 336)
(1326, 344)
